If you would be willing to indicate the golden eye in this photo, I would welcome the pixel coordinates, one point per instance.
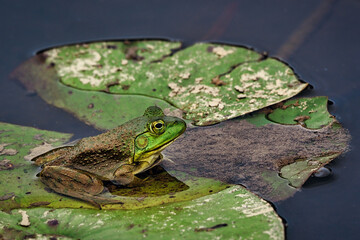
(157, 127)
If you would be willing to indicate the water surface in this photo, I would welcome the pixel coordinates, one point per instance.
(326, 56)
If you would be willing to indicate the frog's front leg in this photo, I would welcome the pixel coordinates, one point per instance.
(71, 182)
(124, 174)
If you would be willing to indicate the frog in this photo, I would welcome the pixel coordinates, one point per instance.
(117, 155)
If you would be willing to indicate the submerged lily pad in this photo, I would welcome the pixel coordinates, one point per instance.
(230, 214)
(209, 83)
(271, 159)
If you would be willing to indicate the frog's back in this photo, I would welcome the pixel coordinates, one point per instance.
(104, 153)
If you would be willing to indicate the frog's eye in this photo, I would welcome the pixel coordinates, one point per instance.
(157, 127)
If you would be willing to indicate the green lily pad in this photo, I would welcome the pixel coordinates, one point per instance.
(299, 171)
(270, 159)
(312, 113)
(19, 186)
(230, 214)
(234, 211)
(209, 83)
(104, 111)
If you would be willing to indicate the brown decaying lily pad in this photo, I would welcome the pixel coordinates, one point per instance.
(239, 152)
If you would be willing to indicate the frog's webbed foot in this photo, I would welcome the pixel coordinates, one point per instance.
(75, 183)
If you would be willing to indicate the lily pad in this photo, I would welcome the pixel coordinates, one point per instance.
(270, 159)
(104, 111)
(208, 82)
(19, 186)
(312, 113)
(299, 171)
(235, 213)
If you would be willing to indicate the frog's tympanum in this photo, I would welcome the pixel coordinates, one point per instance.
(117, 156)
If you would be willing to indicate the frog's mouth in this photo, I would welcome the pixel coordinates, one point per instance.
(150, 159)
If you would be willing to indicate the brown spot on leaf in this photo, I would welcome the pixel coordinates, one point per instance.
(111, 84)
(111, 46)
(301, 118)
(210, 48)
(37, 204)
(131, 54)
(125, 87)
(53, 223)
(131, 226)
(217, 81)
(91, 105)
(7, 151)
(7, 196)
(30, 236)
(296, 104)
(38, 137)
(6, 165)
(211, 228)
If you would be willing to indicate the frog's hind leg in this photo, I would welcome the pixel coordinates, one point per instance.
(74, 183)
(50, 155)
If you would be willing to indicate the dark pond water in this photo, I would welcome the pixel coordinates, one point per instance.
(322, 43)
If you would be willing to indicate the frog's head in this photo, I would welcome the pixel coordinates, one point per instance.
(159, 133)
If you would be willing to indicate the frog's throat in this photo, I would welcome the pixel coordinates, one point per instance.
(148, 163)
(150, 159)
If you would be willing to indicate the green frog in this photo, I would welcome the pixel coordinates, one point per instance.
(117, 156)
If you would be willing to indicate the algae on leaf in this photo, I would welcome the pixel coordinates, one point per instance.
(207, 83)
(235, 213)
(271, 159)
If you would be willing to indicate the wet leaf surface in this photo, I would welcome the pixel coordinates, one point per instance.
(235, 213)
(273, 160)
(207, 83)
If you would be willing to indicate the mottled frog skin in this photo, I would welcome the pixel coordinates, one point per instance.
(117, 156)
